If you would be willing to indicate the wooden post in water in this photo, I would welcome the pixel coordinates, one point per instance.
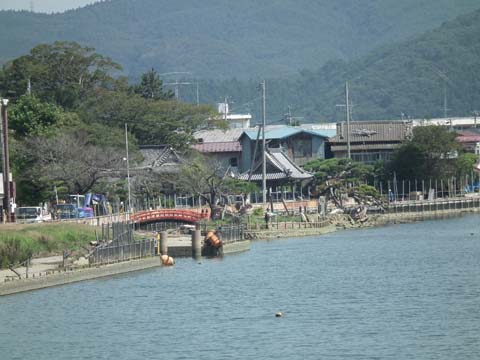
(163, 243)
(196, 244)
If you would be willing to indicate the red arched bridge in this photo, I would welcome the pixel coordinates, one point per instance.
(181, 215)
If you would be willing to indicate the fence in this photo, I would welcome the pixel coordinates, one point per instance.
(288, 225)
(435, 205)
(118, 244)
(124, 252)
(231, 233)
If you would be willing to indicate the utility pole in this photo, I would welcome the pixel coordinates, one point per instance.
(198, 96)
(6, 163)
(128, 170)
(289, 115)
(445, 109)
(264, 156)
(348, 120)
(475, 114)
(225, 109)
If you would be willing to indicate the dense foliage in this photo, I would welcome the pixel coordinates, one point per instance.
(432, 153)
(68, 114)
(243, 38)
(202, 177)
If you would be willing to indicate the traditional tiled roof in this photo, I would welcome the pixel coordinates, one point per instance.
(284, 168)
(218, 147)
(159, 158)
(373, 131)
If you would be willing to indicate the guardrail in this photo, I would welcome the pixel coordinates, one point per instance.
(433, 205)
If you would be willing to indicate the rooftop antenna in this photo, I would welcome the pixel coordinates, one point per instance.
(177, 83)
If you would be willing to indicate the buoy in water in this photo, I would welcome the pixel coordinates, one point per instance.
(213, 239)
(279, 314)
(167, 260)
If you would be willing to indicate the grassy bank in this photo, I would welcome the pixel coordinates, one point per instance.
(20, 242)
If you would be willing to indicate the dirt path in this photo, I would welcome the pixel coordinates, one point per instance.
(39, 265)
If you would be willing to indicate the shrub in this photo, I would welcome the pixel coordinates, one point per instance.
(14, 251)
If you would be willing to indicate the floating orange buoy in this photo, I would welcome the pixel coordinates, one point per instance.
(167, 260)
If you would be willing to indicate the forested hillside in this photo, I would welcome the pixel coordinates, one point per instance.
(408, 78)
(224, 39)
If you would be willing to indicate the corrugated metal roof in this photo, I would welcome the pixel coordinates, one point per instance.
(468, 138)
(218, 147)
(276, 133)
(283, 131)
(322, 133)
(373, 131)
(216, 135)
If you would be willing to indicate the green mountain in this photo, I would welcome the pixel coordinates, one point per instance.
(222, 39)
(417, 78)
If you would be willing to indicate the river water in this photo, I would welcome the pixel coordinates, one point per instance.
(397, 292)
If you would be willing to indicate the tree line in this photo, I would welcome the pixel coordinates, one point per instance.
(67, 115)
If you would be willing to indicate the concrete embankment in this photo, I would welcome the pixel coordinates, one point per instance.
(67, 277)
(342, 222)
(277, 230)
(265, 234)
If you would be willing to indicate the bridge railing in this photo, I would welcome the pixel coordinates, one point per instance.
(170, 214)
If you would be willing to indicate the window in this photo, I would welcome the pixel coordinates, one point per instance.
(233, 162)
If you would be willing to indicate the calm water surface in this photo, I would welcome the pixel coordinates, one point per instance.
(398, 292)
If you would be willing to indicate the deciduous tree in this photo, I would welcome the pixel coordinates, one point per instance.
(62, 72)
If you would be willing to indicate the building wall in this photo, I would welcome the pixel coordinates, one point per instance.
(247, 153)
(301, 148)
(226, 159)
(367, 157)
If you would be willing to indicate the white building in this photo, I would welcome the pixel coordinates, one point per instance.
(235, 121)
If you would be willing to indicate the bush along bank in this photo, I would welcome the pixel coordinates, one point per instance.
(21, 242)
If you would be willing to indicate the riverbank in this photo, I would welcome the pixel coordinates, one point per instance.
(62, 277)
(342, 222)
(331, 224)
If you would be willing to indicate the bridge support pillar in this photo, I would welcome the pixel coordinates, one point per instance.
(196, 244)
(164, 243)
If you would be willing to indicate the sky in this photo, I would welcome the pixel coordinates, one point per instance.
(45, 6)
